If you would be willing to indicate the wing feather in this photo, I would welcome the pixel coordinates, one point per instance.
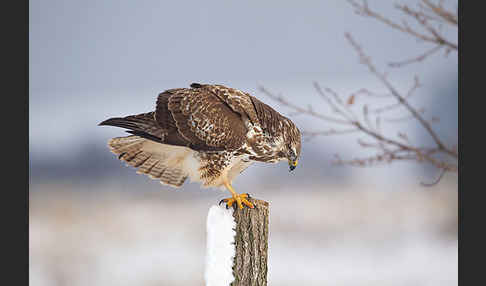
(237, 100)
(142, 125)
(205, 120)
(270, 120)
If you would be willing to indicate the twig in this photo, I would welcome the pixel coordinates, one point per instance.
(416, 59)
(299, 109)
(433, 35)
(436, 180)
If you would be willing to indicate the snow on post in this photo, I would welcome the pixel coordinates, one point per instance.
(220, 246)
(237, 245)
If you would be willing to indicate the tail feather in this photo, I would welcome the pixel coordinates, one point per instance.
(173, 177)
(139, 159)
(157, 171)
(126, 144)
(126, 147)
(136, 152)
(148, 165)
(127, 157)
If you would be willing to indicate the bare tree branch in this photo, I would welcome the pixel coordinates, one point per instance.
(396, 146)
(430, 32)
(416, 59)
(440, 11)
(366, 61)
(300, 109)
(309, 135)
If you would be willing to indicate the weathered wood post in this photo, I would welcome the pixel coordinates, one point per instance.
(251, 242)
(237, 246)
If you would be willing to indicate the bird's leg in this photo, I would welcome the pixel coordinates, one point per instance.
(240, 199)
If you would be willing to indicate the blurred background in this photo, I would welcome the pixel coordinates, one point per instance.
(94, 221)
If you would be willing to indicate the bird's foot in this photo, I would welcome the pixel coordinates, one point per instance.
(240, 199)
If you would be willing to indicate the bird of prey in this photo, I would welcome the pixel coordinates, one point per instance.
(209, 133)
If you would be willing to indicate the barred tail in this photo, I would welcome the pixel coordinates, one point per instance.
(157, 161)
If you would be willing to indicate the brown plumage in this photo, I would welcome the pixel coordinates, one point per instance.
(209, 133)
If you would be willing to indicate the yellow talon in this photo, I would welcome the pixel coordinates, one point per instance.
(240, 199)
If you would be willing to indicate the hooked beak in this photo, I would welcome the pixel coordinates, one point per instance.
(292, 165)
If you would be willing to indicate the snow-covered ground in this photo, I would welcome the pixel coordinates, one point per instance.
(320, 237)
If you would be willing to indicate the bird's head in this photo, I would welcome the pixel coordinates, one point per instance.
(293, 147)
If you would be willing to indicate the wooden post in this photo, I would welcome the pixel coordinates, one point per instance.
(251, 242)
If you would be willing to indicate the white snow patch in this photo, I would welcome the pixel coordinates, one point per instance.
(220, 248)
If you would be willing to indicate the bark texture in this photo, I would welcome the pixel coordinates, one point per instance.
(251, 242)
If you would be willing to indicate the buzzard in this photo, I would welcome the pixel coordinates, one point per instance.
(209, 133)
